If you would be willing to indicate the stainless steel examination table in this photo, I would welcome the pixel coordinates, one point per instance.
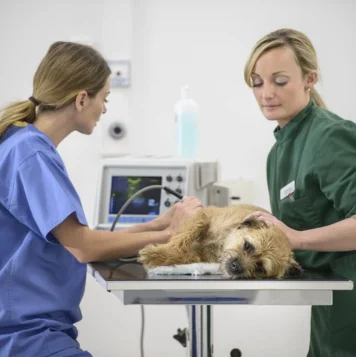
(130, 283)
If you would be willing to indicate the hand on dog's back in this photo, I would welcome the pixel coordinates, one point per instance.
(182, 212)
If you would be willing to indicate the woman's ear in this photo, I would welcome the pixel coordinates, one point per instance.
(81, 100)
(310, 80)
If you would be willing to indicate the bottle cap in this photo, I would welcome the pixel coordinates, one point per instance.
(184, 92)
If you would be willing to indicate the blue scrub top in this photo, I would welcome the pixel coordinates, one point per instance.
(41, 283)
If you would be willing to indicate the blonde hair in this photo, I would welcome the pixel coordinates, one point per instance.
(302, 48)
(66, 69)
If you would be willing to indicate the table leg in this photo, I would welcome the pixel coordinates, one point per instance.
(200, 331)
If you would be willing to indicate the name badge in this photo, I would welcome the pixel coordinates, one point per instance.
(288, 190)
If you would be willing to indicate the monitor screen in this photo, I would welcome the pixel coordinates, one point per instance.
(124, 187)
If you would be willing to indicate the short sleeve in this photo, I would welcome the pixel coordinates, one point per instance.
(42, 195)
(335, 167)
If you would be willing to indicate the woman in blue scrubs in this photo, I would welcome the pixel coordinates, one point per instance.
(44, 238)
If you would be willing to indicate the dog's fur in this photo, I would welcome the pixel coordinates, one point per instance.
(244, 249)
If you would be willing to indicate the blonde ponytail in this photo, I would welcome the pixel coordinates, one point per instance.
(66, 69)
(316, 98)
(25, 111)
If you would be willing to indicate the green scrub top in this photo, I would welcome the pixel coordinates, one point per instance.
(311, 175)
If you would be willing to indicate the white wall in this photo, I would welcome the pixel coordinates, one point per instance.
(171, 42)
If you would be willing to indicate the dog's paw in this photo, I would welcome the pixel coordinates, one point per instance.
(148, 256)
(294, 270)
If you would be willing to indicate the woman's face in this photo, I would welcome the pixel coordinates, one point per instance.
(279, 86)
(92, 110)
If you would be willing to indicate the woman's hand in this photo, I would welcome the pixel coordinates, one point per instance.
(174, 219)
(294, 236)
(165, 220)
(162, 222)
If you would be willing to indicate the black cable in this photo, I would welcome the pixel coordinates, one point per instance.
(174, 193)
(142, 349)
(147, 188)
(124, 206)
(128, 259)
(121, 210)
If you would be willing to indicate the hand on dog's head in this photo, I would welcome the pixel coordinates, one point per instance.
(253, 222)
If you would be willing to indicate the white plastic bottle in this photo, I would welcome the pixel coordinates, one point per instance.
(187, 126)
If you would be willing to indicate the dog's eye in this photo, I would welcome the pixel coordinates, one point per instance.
(248, 247)
(259, 267)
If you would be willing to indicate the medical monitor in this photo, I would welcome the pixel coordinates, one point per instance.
(124, 187)
(121, 178)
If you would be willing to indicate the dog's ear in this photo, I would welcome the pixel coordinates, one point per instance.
(294, 270)
(253, 222)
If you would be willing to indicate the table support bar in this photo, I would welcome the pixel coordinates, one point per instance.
(200, 331)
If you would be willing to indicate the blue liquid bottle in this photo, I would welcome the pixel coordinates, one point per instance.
(187, 126)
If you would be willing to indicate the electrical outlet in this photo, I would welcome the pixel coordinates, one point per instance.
(120, 73)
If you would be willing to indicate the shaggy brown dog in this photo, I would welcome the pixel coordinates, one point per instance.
(244, 249)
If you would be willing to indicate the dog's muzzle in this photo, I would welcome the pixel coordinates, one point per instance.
(233, 267)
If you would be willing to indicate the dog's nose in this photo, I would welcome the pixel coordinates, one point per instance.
(235, 266)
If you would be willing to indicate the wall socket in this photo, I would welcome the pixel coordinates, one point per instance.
(120, 73)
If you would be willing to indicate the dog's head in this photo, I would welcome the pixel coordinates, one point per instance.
(256, 250)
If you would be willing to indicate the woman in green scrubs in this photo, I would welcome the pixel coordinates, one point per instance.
(311, 174)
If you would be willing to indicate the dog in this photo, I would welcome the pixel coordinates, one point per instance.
(248, 248)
